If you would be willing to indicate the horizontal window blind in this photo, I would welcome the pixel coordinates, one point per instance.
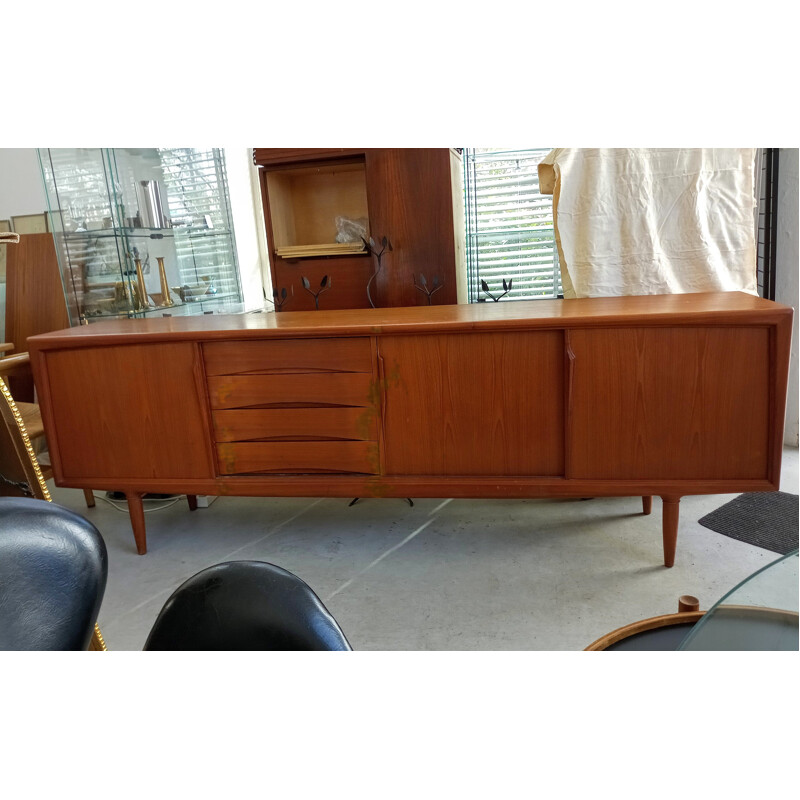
(197, 187)
(766, 179)
(510, 234)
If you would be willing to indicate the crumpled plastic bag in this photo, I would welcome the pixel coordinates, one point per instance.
(351, 230)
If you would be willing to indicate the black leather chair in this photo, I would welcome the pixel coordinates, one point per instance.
(53, 571)
(245, 605)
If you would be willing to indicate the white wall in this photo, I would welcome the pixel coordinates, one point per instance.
(787, 269)
(248, 225)
(21, 187)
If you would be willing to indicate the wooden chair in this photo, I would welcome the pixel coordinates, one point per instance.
(20, 472)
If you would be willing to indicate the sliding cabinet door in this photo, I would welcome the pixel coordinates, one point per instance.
(672, 403)
(473, 404)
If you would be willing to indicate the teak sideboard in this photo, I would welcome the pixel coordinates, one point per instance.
(666, 395)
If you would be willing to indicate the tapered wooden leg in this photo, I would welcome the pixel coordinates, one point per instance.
(647, 504)
(136, 510)
(88, 495)
(192, 500)
(669, 527)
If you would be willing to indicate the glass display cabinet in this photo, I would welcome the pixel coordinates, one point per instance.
(142, 231)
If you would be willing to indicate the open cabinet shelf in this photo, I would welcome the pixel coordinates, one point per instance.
(306, 202)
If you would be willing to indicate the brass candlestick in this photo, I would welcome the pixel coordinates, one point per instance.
(166, 300)
(144, 302)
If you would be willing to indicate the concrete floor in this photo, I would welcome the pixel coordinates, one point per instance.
(444, 575)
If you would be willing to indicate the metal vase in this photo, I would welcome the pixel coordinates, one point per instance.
(150, 206)
(143, 301)
(166, 299)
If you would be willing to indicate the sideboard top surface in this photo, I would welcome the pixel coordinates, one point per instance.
(709, 308)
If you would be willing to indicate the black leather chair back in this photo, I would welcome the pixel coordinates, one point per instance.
(245, 605)
(53, 570)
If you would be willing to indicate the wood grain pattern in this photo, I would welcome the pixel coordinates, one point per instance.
(655, 311)
(130, 411)
(297, 457)
(348, 276)
(331, 388)
(34, 300)
(475, 486)
(241, 425)
(409, 192)
(301, 355)
(474, 404)
(34, 295)
(280, 156)
(681, 403)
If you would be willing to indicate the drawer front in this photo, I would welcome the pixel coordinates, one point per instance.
(327, 388)
(243, 424)
(298, 355)
(241, 458)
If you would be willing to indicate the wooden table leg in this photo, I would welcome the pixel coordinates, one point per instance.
(192, 500)
(136, 510)
(88, 496)
(647, 504)
(669, 527)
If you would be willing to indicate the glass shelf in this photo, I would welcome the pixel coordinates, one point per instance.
(230, 304)
(145, 233)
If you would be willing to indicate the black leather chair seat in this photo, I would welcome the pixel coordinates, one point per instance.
(245, 605)
(53, 570)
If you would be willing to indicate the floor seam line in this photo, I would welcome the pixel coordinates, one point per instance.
(110, 623)
(380, 558)
(275, 529)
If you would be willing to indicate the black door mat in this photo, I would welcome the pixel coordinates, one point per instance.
(763, 519)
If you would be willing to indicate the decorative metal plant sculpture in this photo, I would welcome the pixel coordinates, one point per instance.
(279, 299)
(485, 287)
(324, 285)
(423, 286)
(373, 248)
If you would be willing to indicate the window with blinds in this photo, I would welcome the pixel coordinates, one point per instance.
(510, 235)
(197, 188)
(766, 179)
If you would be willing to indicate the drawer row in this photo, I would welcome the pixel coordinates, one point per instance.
(290, 408)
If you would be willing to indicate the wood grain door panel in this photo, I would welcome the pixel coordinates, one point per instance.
(149, 420)
(474, 404)
(409, 194)
(672, 403)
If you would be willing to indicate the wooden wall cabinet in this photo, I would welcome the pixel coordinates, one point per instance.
(414, 197)
(635, 396)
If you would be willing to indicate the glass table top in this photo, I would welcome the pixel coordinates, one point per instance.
(761, 613)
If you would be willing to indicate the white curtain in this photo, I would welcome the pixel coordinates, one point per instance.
(653, 221)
